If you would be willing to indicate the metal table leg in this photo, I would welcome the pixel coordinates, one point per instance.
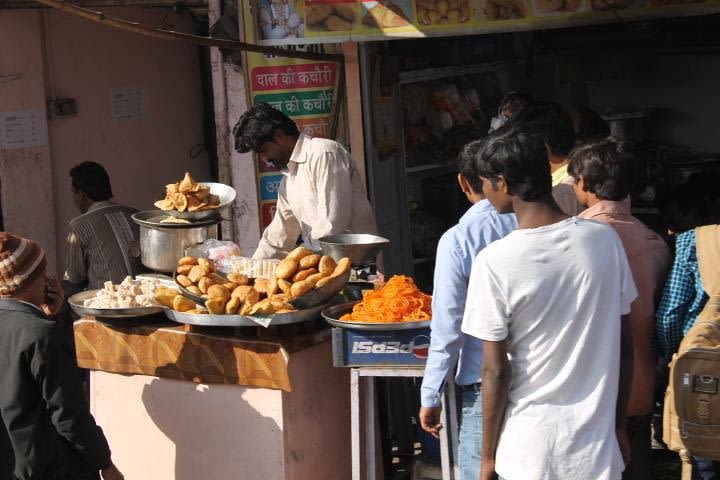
(369, 383)
(365, 376)
(355, 423)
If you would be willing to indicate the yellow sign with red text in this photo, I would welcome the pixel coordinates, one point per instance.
(292, 22)
(301, 89)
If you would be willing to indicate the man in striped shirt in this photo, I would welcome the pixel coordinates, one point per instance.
(102, 243)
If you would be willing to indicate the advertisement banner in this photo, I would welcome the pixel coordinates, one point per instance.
(301, 89)
(287, 22)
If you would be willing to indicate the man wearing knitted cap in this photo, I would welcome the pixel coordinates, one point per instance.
(47, 431)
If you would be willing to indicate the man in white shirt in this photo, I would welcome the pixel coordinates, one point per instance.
(550, 302)
(321, 192)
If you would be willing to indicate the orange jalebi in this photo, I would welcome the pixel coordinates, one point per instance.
(399, 300)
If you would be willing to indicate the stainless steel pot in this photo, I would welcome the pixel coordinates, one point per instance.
(629, 126)
(163, 244)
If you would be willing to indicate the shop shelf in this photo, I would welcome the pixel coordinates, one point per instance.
(431, 167)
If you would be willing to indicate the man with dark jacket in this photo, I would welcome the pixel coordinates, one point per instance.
(44, 413)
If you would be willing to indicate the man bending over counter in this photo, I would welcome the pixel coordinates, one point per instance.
(320, 194)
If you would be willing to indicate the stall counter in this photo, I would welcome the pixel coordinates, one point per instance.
(173, 423)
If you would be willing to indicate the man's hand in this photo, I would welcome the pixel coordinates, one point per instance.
(430, 420)
(54, 296)
(112, 473)
(488, 470)
(624, 444)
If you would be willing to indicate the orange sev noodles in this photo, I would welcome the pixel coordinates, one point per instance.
(399, 300)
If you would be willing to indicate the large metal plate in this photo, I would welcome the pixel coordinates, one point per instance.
(211, 320)
(76, 303)
(315, 297)
(226, 194)
(332, 316)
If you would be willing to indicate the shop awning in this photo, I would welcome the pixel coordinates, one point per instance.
(289, 22)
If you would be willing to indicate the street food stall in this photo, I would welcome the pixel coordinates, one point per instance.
(224, 367)
(215, 381)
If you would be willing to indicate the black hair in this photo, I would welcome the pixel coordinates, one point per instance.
(466, 164)
(604, 164)
(515, 101)
(91, 179)
(258, 125)
(520, 158)
(590, 125)
(551, 122)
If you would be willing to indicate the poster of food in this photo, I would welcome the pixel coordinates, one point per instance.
(284, 22)
(302, 89)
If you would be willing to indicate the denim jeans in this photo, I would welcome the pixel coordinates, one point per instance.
(470, 436)
(704, 469)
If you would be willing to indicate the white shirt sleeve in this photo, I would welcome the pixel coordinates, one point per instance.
(487, 313)
(333, 184)
(281, 235)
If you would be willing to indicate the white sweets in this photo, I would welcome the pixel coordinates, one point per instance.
(130, 293)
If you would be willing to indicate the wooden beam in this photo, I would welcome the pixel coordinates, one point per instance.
(354, 106)
(127, 26)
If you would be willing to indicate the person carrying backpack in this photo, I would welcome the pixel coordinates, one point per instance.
(691, 303)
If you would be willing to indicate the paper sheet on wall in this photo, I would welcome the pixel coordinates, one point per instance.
(22, 129)
(128, 104)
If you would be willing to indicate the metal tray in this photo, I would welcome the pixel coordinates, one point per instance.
(332, 316)
(313, 298)
(76, 303)
(212, 320)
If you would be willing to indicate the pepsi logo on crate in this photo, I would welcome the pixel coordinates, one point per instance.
(356, 348)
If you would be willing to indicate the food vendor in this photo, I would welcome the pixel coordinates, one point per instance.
(321, 192)
(102, 240)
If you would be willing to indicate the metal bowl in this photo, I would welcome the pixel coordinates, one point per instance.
(362, 248)
(226, 194)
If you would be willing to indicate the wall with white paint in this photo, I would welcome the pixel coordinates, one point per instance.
(60, 55)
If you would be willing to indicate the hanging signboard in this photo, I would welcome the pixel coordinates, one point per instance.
(283, 22)
(301, 89)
